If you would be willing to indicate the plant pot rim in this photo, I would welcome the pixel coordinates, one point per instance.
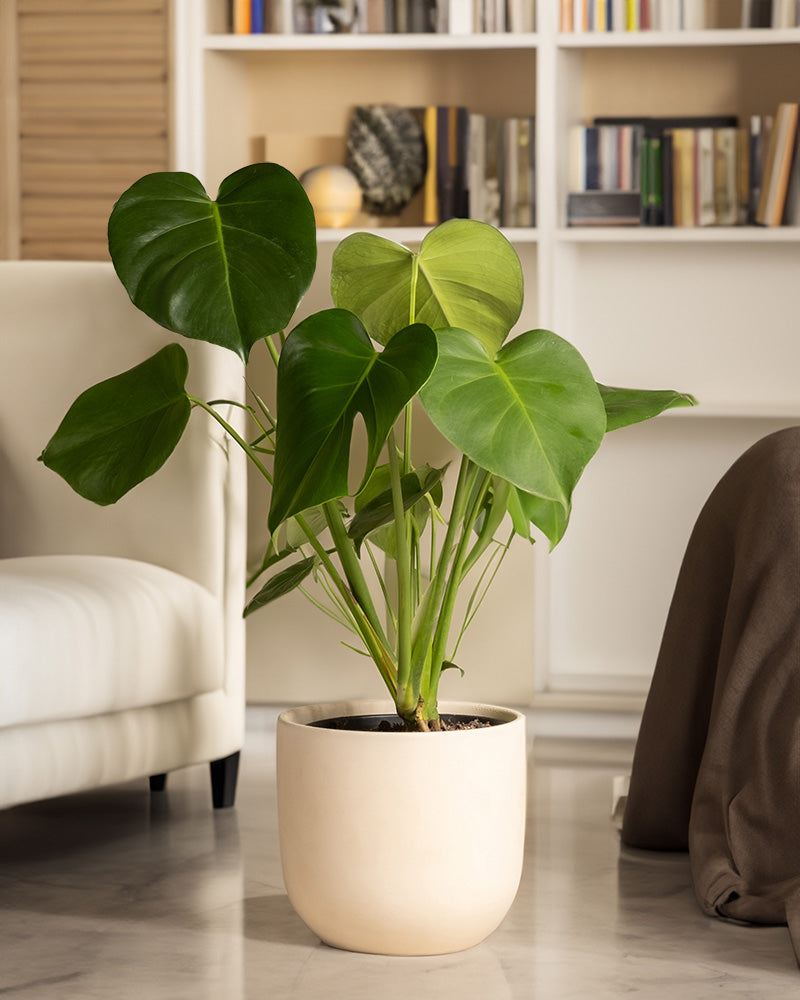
(302, 716)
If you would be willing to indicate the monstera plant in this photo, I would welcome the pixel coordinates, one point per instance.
(524, 412)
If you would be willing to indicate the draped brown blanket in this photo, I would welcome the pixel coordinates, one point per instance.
(717, 762)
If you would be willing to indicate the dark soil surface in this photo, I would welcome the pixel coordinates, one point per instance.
(391, 723)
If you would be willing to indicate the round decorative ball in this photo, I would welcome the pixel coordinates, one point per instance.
(386, 151)
(334, 193)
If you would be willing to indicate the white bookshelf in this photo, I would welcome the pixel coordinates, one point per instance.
(711, 311)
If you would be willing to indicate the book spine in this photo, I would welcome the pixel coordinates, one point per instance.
(240, 17)
(791, 214)
(430, 210)
(683, 176)
(705, 214)
(592, 137)
(667, 179)
(257, 17)
(779, 164)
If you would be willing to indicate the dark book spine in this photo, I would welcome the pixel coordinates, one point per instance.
(592, 158)
(667, 179)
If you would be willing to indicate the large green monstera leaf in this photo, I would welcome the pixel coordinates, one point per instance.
(631, 406)
(466, 274)
(230, 271)
(531, 414)
(329, 372)
(122, 430)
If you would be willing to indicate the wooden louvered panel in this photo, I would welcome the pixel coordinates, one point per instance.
(94, 116)
(88, 6)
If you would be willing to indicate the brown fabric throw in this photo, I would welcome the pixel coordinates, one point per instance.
(717, 762)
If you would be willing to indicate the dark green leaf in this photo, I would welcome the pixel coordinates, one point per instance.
(122, 430)
(379, 511)
(282, 583)
(328, 373)
(230, 271)
(448, 665)
(630, 406)
(531, 414)
(466, 274)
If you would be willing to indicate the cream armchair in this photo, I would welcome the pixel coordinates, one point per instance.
(121, 631)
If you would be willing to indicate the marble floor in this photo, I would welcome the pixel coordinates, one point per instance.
(117, 894)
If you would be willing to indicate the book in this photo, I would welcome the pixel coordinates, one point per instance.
(667, 180)
(726, 178)
(683, 171)
(603, 208)
(705, 211)
(778, 165)
(783, 14)
(430, 214)
(652, 191)
(791, 213)
(257, 17)
(240, 17)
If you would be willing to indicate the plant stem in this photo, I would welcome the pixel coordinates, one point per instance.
(352, 567)
(407, 697)
(373, 640)
(454, 579)
(423, 637)
(251, 454)
(273, 351)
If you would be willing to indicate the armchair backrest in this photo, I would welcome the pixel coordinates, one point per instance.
(63, 327)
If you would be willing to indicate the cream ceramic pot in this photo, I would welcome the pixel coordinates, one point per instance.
(401, 843)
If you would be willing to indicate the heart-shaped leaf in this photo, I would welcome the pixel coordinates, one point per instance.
(328, 373)
(548, 516)
(466, 274)
(230, 271)
(630, 406)
(282, 583)
(122, 430)
(531, 414)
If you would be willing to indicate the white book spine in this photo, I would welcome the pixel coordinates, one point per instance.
(694, 15)
(461, 19)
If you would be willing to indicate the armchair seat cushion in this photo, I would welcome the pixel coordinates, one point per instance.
(89, 635)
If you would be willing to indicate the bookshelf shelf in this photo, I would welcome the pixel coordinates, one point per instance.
(706, 310)
(671, 234)
(367, 43)
(709, 38)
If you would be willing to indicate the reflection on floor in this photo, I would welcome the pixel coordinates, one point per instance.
(117, 894)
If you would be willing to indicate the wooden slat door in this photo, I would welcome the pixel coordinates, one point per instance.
(93, 116)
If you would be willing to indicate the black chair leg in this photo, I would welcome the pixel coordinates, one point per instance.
(224, 773)
(158, 782)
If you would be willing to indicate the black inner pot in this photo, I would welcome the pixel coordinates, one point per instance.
(392, 724)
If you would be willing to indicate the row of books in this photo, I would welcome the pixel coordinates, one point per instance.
(686, 171)
(380, 16)
(676, 15)
(479, 167)
(770, 14)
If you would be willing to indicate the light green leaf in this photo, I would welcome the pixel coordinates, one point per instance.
(531, 414)
(466, 274)
(122, 430)
(548, 516)
(230, 271)
(328, 373)
(630, 406)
